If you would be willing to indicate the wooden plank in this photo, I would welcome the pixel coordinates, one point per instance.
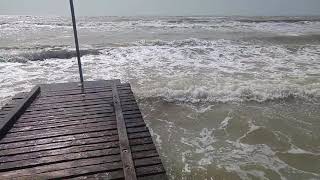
(161, 176)
(87, 113)
(57, 145)
(75, 93)
(139, 135)
(61, 104)
(150, 170)
(144, 147)
(7, 122)
(50, 127)
(69, 110)
(101, 176)
(70, 100)
(147, 161)
(43, 121)
(125, 151)
(68, 128)
(40, 152)
(34, 171)
(56, 134)
(137, 129)
(86, 170)
(59, 107)
(145, 154)
(67, 138)
(154, 161)
(75, 85)
(57, 159)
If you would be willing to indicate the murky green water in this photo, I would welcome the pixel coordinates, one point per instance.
(269, 140)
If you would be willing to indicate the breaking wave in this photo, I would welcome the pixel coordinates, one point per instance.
(22, 56)
(204, 95)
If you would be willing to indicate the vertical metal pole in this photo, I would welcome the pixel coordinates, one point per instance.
(76, 43)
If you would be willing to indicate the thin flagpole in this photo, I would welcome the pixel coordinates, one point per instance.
(76, 43)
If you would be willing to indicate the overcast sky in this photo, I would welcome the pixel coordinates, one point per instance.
(162, 7)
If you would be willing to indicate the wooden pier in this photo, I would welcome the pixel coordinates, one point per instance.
(57, 132)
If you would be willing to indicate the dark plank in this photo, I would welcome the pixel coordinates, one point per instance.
(125, 151)
(61, 104)
(145, 154)
(53, 101)
(57, 134)
(57, 151)
(57, 107)
(35, 171)
(150, 170)
(162, 176)
(67, 138)
(59, 145)
(7, 122)
(85, 112)
(68, 111)
(86, 170)
(66, 128)
(41, 121)
(139, 135)
(109, 175)
(144, 147)
(58, 158)
(63, 124)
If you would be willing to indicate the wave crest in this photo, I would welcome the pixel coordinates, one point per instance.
(205, 95)
(192, 42)
(23, 56)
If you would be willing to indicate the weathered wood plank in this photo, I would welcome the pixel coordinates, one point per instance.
(78, 171)
(125, 151)
(58, 145)
(40, 153)
(145, 154)
(67, 128)
(68, 110)
(34, 171)
(87, 113)
(57, 134)
(144, 147)
(67, 138)
(150, 170)
(62, 125)
(57, 107)
(61, 104)
(7, 122)
(42, 121)
(57, 159)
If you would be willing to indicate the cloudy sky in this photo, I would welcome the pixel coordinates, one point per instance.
(162, 7)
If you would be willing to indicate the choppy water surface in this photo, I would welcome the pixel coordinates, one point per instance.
(225, 97)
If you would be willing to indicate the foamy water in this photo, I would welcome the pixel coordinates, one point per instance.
(233, 98)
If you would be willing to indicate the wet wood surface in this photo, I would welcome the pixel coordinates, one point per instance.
(56, 132)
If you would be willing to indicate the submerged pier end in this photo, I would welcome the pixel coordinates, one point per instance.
(58, 132)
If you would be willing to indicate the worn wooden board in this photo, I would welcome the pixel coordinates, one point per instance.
(56, 132)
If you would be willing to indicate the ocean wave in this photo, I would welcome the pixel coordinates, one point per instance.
(192, 42)
(199, 95)
(22, 56)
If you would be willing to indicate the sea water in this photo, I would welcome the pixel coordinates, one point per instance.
(224, 97)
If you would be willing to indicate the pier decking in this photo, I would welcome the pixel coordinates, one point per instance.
(56, 132)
